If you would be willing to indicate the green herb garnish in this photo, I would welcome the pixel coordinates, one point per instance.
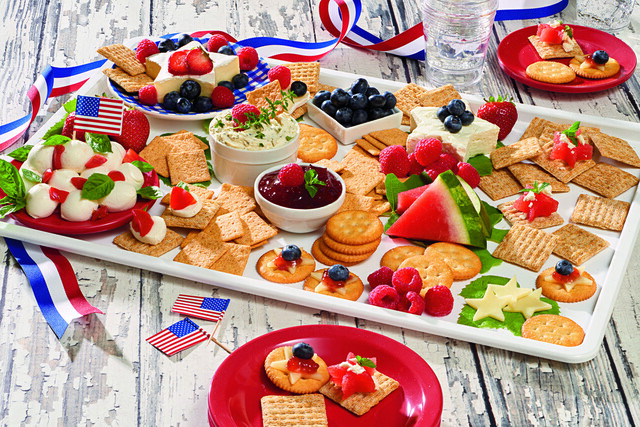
(569, 31)
(13, 186)
(571, 133)
(57, 140)
(21, 153)
(98, 142)
(97, 186)
(537, 187)
(363, 361)
(183, 186)
(143, 166)
(151, 192)
(311, 181)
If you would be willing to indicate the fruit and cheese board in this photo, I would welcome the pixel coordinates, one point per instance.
(607, 268)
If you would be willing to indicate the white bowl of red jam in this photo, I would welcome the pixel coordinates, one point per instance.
(293, 208)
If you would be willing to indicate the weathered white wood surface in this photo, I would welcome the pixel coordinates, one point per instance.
(102, 372)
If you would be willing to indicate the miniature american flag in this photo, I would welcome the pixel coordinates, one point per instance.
(204, 308)
(99, 115)
(177, 337)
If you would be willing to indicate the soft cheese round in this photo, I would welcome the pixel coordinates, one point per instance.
(155, 235)
(39, 203)
(114, 159)
(75, 155)
(75, 208)
(122, 197)
(132, 175)
(40, 158)
(61, 179)
(189, 211)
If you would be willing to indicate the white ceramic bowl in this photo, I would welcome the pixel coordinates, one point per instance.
(297, 220)
(241, 167)
(350, 134)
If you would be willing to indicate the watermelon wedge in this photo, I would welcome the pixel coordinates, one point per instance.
(443, 212)
(406, 198)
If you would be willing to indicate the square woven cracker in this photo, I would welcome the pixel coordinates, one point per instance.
(527, 247)
(606, 179)
(389, 137)
(368, 147)
(234, 198)
(361, 403)
(577, 245)
(230, 226)
(559, 168)
(439, 96)
(371, 140)
(329, 88)
(408, 97)
(128, 242)
(535, 128)
(306, 410)
(184, 141)
(499, 184)
(123, 57)
(307, 72)
(255, 229)
(190, 236)
(203, 251)
(299, 112)
(406, 120)
(515, 153)
(615, 148)
(198, 222)
(155, 153)
(357, 157)
(547, 51)
(126, 81)
(234, 260)
(600, 212)
(527, 174)
(355, 202)
(272, 91)
(201, 192)
(514, 216)
(188, 167)
(334, 165)
(549, 132)
(360, 179)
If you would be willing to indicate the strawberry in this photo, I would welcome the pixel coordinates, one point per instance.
(142, 222)
(501, 113)
(135, 131)
(216, 42)
(282, 74)
(199, 62)
(178, 65)
(248, 58)
(58, 195)
(180, 198)
(222, 97)
(146, 48)
(67, 129)
(95, 161)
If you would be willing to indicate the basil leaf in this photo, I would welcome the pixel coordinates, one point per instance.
(11, 182)
(57, 140)
(166, 181)
(151, 192)
(495, 215)
(100, 143)
(31, 176)
(97, 186)
(499, 144)
(482, 164)
(486, 259)
(56, 129)
(10, 208)
(143, 166)
(183, 186)
(21, 153)
(70, 105)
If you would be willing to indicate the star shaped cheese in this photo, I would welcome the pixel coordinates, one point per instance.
(510, 290)
(490, 305)
(529, 304)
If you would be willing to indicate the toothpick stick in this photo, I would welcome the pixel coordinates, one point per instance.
(215, 340)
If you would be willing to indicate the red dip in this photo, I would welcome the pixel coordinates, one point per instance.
(298, 197)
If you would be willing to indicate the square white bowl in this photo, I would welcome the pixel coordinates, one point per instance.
(349, 135)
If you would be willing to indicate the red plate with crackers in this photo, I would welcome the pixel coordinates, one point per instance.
(240, 381)
(515, 53)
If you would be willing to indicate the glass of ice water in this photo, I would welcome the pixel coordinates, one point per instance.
(606, 15)
(457, 35)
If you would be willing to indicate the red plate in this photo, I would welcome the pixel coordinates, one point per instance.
(240, 381)
(55, 224)
(515, 53)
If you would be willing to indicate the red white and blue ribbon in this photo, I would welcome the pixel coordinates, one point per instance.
(54, 284)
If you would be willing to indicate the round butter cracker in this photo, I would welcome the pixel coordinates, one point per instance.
(303, 385)
(464, 264)
(354, 227)
(550, 72)
(316, 144)
(554, 329)
(284, 276)
(394, 257)
(354, 286)
(610, 68)
(557, 291)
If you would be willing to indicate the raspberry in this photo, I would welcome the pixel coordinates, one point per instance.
(291, 175)
(248, 57)
(435, 169)
(216, 42)
(416, 303)
(222, 97)
(146, 48)
(407, 279)
(415, 168)
(469, 174)
(178, 65)
(438, 301)
(148, 95)
(384, 296)
(394, 159)
(449, 162)
(241, 112)
(428, 151)
(282, 74)
(381, 276)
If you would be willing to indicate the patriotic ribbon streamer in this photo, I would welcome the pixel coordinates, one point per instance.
(54, 284)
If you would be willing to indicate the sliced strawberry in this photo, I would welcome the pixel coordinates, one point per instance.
(131, 156)
(58, 195)
(199, 62)
(116, 175)
(57, 156)
(78, 182)
(95, 161)
(178, 65)
(181, 198)
(353, 383)
(142, 222)
(46, 176)
(99, 213)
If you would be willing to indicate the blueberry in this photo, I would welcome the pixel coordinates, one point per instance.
(377, 101)
(467, 118)
(358, 101)
(600, 57)
(320, 97)
(453, 124)
(299, 88)
(226, 50)
(291, 252)
(190, 89)
(328, 107)
(338, 272)
(183, 105)
(564, 267)
(443, 113)
(387, 112)
(240, 80)
(169, 102)
(376, 113)
(339, 97)
(372, 91)
(359, 86)
(227, 84)
(359, 117)
(302, 350)
(344, 116)
(166, 45)
(391, 100)
(202, 104)
(184, 39)
(456, 107)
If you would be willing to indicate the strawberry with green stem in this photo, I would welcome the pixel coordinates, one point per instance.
(501, 113)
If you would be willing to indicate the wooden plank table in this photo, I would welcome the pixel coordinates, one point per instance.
(102, 371)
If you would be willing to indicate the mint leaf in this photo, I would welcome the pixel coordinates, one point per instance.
(482, 164)
(21, 153)
(70, 105)
(394, 186)
(57, 140)
(363, 361)
(97, 186)
(537, 187)
(571, 133)
(151, 192)
(31, 176)
(487, 260)
(98, 142)
(311, 182)
(143, 166)
(568, 30)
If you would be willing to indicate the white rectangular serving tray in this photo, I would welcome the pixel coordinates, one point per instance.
(608, 267)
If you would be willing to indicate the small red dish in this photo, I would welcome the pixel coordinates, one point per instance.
(515, 53)
(240, 381)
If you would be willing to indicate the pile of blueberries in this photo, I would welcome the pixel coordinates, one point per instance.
(360, 104)
(454, 115)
